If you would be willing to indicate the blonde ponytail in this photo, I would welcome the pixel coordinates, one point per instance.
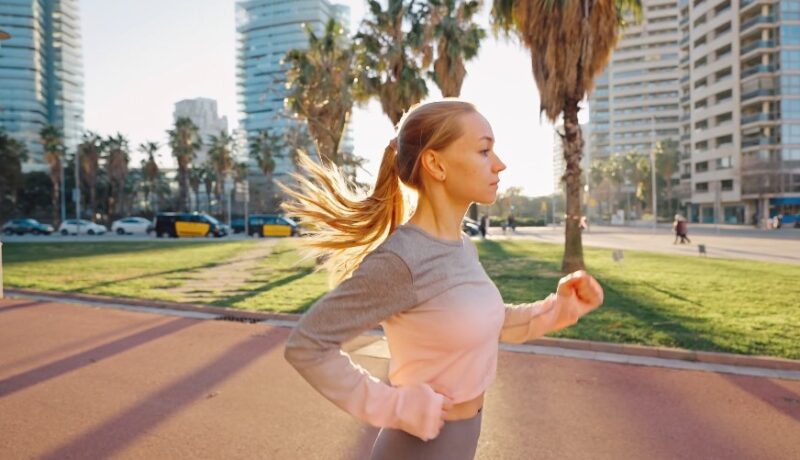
(348, 225)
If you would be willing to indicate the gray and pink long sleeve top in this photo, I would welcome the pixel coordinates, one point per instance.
(443, 318)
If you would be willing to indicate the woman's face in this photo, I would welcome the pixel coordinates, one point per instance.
(471, 165)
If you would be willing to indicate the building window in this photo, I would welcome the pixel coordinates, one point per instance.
(724, 140)
(701, 166)
(724, 118)
(727, 185)
(701, 187)
(724, 163)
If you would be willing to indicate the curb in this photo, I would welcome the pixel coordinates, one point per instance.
(730, 359)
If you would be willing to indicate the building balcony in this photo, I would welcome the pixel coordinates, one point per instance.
(758, 45)
(759, 93)
(760, 141)
(750, 71)
(768, 20)
(744, 5)
(685, 137)
(686, 176)
(759, 118)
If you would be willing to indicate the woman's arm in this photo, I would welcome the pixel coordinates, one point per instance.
(379, 288)
(578, 293)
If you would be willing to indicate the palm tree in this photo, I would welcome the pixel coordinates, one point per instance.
(195, 179)
(53, 146)
(458, 39)
(207, 177)
(90, 149)
(388, 57)
(220, 155)
(264, 148)
(149, 169)
(570, 42)
(184, 141)
(117, 168)
(320, 80)
(12, 155)
(667, 160)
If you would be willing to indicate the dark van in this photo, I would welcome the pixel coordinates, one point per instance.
(188, 224)
(272, 225)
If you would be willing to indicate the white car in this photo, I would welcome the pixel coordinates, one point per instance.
(131, 225)
(86, 227)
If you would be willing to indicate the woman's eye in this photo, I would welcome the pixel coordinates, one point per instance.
(485, 152)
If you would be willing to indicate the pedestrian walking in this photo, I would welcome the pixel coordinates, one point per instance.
(512, 222)
(422, 281)
(679, 225)
(483, 225)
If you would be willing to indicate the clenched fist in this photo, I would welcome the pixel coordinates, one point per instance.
(584, 287)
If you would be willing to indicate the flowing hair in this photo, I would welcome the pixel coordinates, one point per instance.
(348, 225)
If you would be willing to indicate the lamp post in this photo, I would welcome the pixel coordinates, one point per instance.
(653, 170)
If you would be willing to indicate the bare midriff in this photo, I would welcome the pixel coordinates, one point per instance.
(466, 409)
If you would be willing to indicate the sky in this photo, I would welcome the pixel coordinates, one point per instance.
(143, 56)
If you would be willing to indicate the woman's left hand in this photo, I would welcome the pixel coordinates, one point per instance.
(584, 286)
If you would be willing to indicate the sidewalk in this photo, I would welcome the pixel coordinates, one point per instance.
(78, 381)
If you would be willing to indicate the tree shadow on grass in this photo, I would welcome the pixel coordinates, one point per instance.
(296, 275)
(626, 316)
(144, 276)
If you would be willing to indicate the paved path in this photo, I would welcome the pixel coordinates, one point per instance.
(87, 382)
(774, 246)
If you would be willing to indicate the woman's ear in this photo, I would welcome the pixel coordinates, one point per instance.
(433, 163)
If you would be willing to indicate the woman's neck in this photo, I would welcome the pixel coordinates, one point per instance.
(439, 219)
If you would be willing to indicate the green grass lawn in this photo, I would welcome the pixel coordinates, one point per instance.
(651, 299)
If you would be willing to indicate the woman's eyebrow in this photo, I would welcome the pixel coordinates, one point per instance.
(488, 138)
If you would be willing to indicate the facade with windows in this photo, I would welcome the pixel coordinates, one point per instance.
(41, 73)
(738, 106)
(742, 133)
(267, 30)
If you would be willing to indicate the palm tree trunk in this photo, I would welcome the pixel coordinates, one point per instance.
(573, 145)
(54, 204)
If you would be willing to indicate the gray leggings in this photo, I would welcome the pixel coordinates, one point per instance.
(457, 440)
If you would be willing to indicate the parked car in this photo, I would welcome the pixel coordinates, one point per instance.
(272, 225)
(131, 225)
(82, 226)
(23, 226)
(237, 225)
(470, 227)
(188, 224)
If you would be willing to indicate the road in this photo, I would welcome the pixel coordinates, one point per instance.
(728, 242)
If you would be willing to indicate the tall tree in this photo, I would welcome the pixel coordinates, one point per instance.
(184, 140)
(90, 150)
(320, 80)
(117, 158)
(667, 163)
(12, 155)
(149, 169)
(389, 56)
(570, 42)
(458, 39)
(53, 146)
(220, 155)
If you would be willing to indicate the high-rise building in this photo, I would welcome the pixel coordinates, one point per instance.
(267, 30)
(203, 113)
(741, 109)
(635, 101)
(41, 72)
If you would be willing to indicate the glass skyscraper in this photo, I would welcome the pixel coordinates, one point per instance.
(41, 72)
(267, 30)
